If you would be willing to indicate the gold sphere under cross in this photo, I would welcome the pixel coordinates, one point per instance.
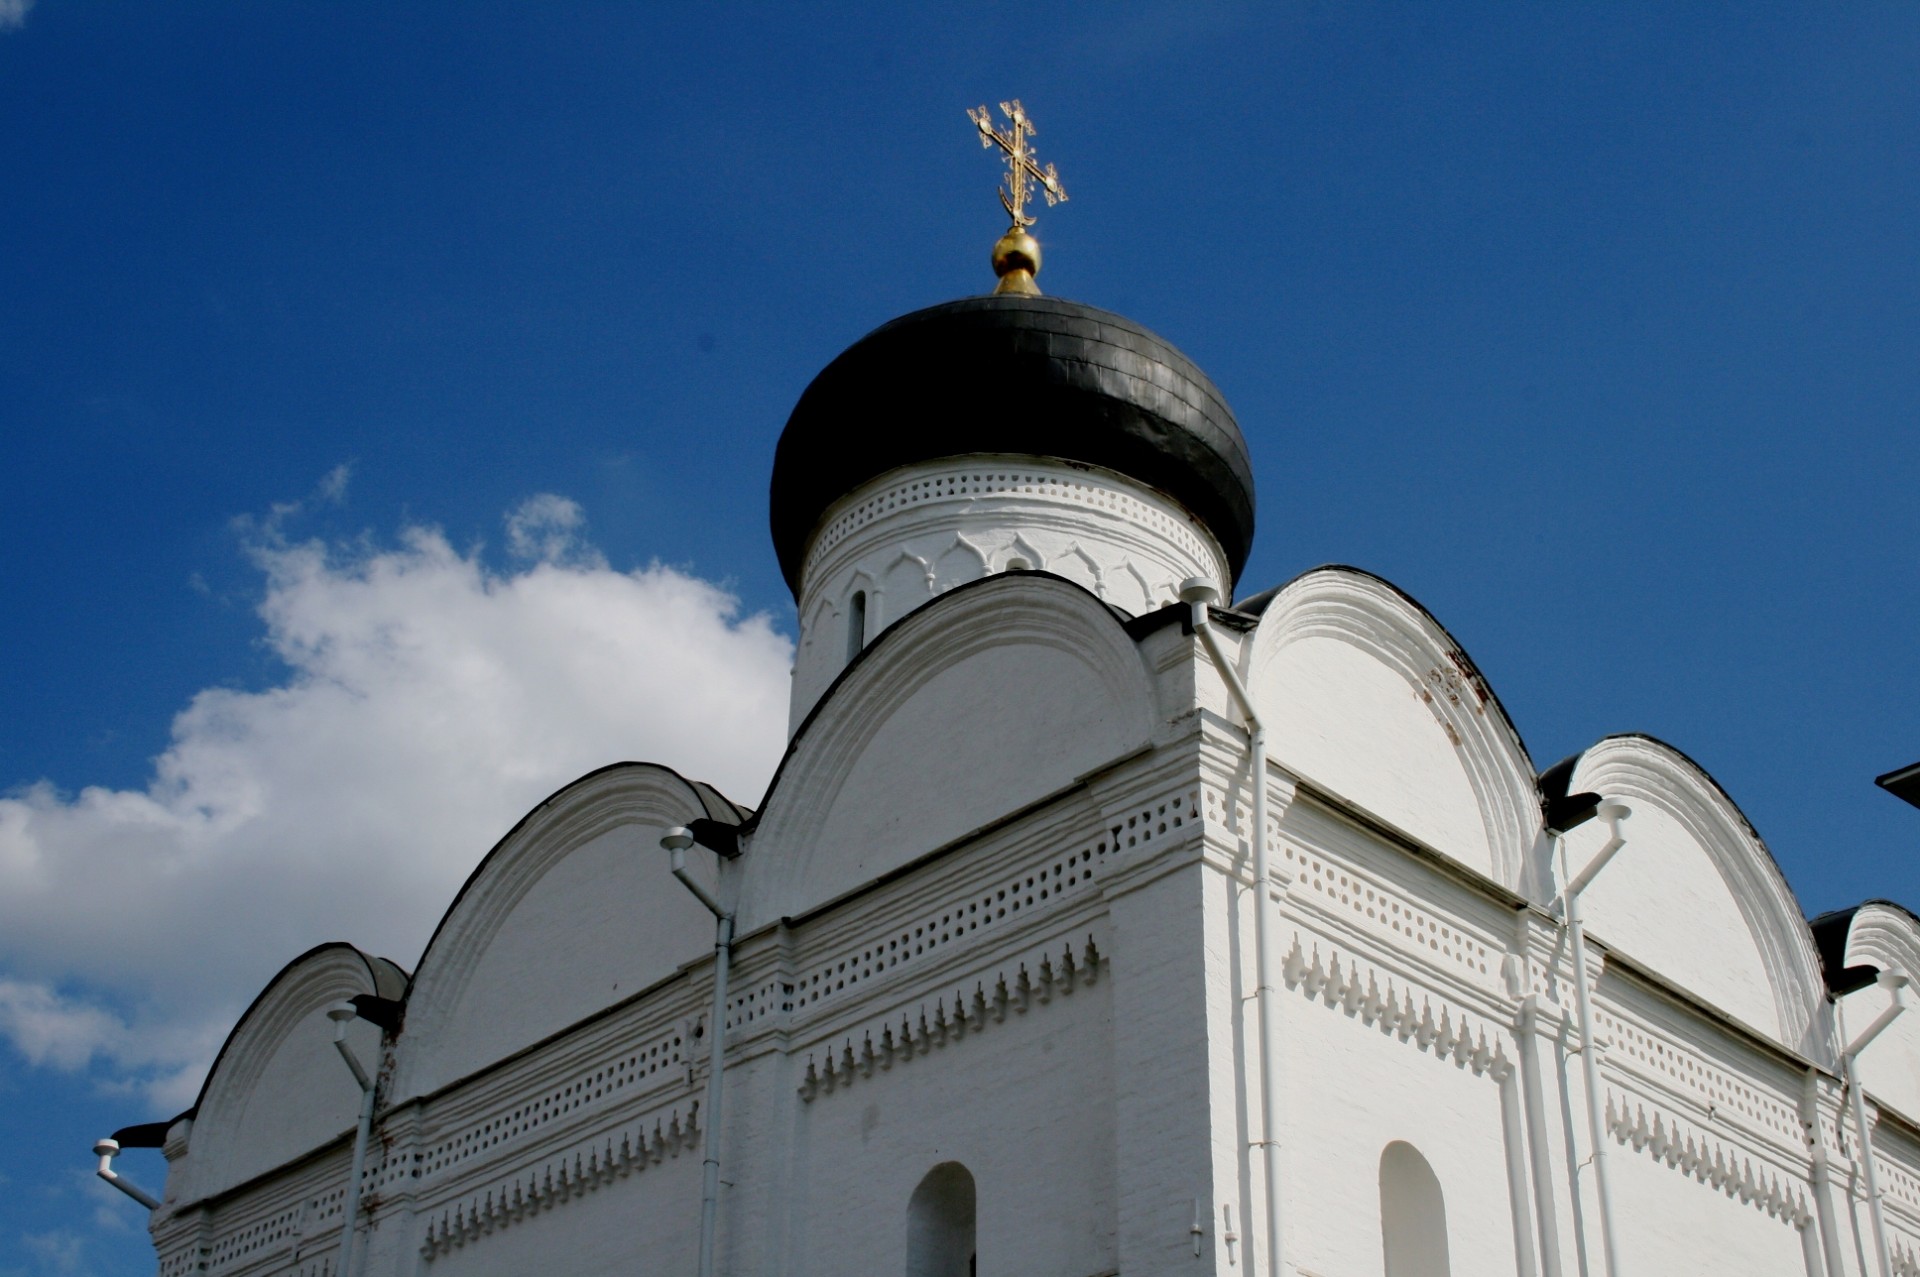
(1016, 257)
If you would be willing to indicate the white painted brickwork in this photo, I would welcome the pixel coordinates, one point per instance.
(997, 915)
(903, 538)
(1058, 1002)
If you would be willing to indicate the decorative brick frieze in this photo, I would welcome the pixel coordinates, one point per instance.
(292, 1229)
(766, 998)
(187, 1260)
(967, 915)
(904, 539)
(1903, 1253)
(1369, 905)
(1708, 1158)
(1375, 999)
(1719, 1092)
(274, 1233)
(657, 1061)
(630, 1150)
(963, 485)
(1898, 1184)
(904, 1036)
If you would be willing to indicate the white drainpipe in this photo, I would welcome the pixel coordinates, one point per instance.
(106, 1151)
(677, 841)
(1894, 981)
(1613, 812)
(342, 1014)
(1822, 1175)
(1198, 593)
(1535, 1106)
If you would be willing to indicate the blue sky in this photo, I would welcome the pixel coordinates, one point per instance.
(374, 379)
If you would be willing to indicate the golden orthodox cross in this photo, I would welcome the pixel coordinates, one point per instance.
(1022, 171)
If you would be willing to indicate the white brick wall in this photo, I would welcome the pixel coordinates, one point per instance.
(1057, 991)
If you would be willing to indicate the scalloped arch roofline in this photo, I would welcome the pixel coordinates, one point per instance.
(1747, 826)
(384, 977)
(1256, 605)
(1882, 934)
(1374, 615)
(889, 639)
(1762, 893)
(716, 805)
(843, 809)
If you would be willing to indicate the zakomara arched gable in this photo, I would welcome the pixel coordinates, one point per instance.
(990, 697)
(572, 912)
(1695, 896)
(1365, 695)
(278, 1089)
(1880, 936)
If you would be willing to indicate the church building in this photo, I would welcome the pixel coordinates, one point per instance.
(1105, 916)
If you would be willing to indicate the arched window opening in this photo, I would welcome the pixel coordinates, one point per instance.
(940, 1224)
(856, 623)
(1413, 1218)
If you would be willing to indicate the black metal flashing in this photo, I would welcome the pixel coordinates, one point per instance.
(1830, 931)
(1027, 376)
(719, 837)
(1138, 627)
(1256, 605)
(1559, 809)
(1903, 783)
(1232, 618)
(387, 1013)
(144, 1135)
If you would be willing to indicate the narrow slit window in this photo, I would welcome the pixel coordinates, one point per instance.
(856, 623)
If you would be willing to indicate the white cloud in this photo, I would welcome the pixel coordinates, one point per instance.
(546, 529)
(163, 1061)
(57, 1251)
(430, 703)
(13, 14)
(333, 485)
(48, 1029)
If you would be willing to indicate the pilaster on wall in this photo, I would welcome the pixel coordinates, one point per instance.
(1167, 1040)
(1183, 1192)
(1695, 1109)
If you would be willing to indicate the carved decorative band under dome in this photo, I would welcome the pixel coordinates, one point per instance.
(968, 479)
(1022, 376)
(898, 541)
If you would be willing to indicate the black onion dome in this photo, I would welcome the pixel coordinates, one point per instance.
(1034, 376)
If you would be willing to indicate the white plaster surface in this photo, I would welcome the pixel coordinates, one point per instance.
(945, 728)
(912, 534)
(1366, 696)
(572, 913)
(600, 924)
(1663, 903)
(1062, 999)
(282, 1088)
(1360, 729)
(1670, 1223)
